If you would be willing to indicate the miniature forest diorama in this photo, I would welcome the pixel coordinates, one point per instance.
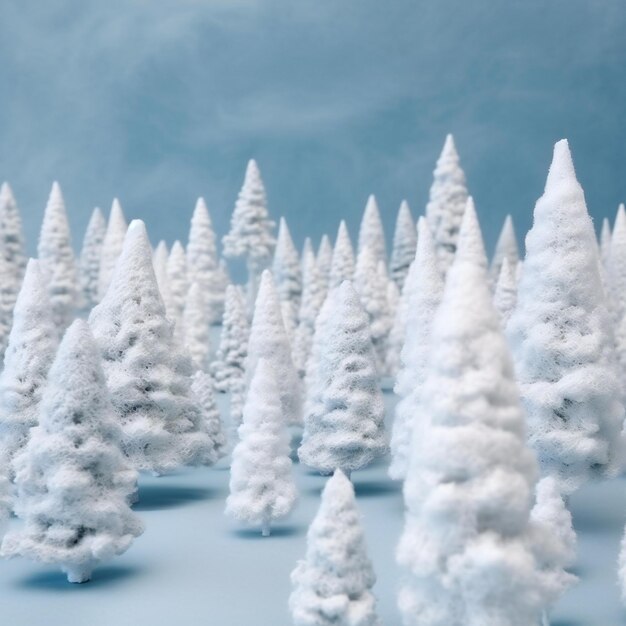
(507, 373)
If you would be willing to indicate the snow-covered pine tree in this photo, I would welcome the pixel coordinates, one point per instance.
(307, 248)
(7, 303)
(12, 238)
(615, 279)
(343, 426)
(342, 263)
(398, 329)
(506, 248)
(287, 275)
(160, 257)
(111, 246)
(404, 242)
(89, 263)
(73, 482)
(194, 329)
(30, 352)
(468, 546)
(268, 340)
(262, 488)
(561, 336)
(202, 261)
(202, 387)
(177, 275)
(147, 371)
(332, 586)
(505, 295)
(324, 258)
(605, 244)
(57, 262)
(422, 294)
(371, 232)
(251, 231)
(446, 204)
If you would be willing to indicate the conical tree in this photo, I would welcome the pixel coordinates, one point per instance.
(404, 242)
(194, 327)
(561, 336)
(177, 275)
(147, 371)
(160, 257)
(57, 262)
(422, 294)
(505, 295)
(268, 340)
(202, 387)
(506, 248)
(371, 232)
(111, 246)
(262, 488)
(343, 427)
(616, 284)
(287, 275)
(251, 231)
(605, 243)
(73, 482)
(332, 586)
(324, 258)
(12, 238)
(342, 264)
(446, 204)
(31, 348)
(89, 264)
(398, 328)
(7, 303)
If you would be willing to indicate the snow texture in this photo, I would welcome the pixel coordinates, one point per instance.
(371, 232)
(262, 487)
(177, 275)
(287, 274)
(194, 329)
(111, 246)
(505, 295)
(332, 586)
(343, 425)
(89, 263)
(342, 264)
(73, 482)
(404, 243)
(506, 248)
(562, 340)
(202, 387)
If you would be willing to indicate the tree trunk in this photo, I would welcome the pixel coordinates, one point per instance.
(265, 528)
(78, 572)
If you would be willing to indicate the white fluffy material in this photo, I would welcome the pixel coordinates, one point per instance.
(195, 327)
(89, 263)
(178, 281)
(505, 295)
(506, 248)
(111, 246)
(202, 387)
(404, 243)
(342, 264)
(371, 232)
(287, 274)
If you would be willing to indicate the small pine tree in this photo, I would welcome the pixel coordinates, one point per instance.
(398, 329)
(7, 303)
(147, 371)
(287, 275)
(404, 242)
(111, 246)
(73, 483)
(89, 264)
(324, 259)
(177, 275)
(12, 238)
(505, 295)
(446, 204)
(31, 348)
(202, 387)
(57, 262)
(561, 336)
(506, 248)
(251, 231)
(194, 327)
(605, 243)
(343, 428)
(371, 232)
(616, 284)
(262, 488)
(342, 264)
(332, 586)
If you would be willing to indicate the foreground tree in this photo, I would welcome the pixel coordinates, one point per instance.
(147, 371)
(73, 482)
(111, 246)
(371, 232)
(560, 332)
(89, 264)
(262, 489)
(506, 248)
(332, 586)
(404, 243)
(342, 265)
(287, 275)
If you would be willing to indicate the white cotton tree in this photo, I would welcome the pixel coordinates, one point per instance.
(160, 257)
(342, 263)
(89, 262)
(371, 232)
(561, 336)
(404, 242)
(505, 295)
(325, 258)
(194, 329)
(605, 244)
(57, 262)
(7, 303)
(12, 244)
(202, 261)
(30, 352)
(398, 328)
(307, 248)
(506, 248)
(147, 370)
(616, 284)
(202, 387)
(446, 204)
(468, 547)
(177, 275)
(332, 586)
(343, 425)
(251, 231)
(111, 246)
(262, 488)
(268, 340)
(287, 274)
(422, 295)
(73, 482)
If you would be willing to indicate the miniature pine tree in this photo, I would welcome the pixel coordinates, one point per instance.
(31, 348)
(332, 586)
(111, 246)
(262, 488)
(561, 337)
(307, 248)
(404, 242)
(251, 231)
(195, 325)
(344, 426)
(89, 264)
(177, 275)
(371, 232)
(506, 248)
(605, 244)
(73, 482)
(422, 294)
(202, 387)
(342, 264)
(160, 257)
(616, 284)
(202, 261)
(398, 328)
(287, 275)
(324, 258)
(147, 371)
(7, 303)
(56, 258)
(268, 340)
(468, 545)
(446, 204)
(12, 238)
(505, 295)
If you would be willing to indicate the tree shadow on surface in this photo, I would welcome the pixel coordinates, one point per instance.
(278, 532)
(156, 497)
(56, 580)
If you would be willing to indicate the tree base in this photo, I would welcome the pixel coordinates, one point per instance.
(78, 572)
